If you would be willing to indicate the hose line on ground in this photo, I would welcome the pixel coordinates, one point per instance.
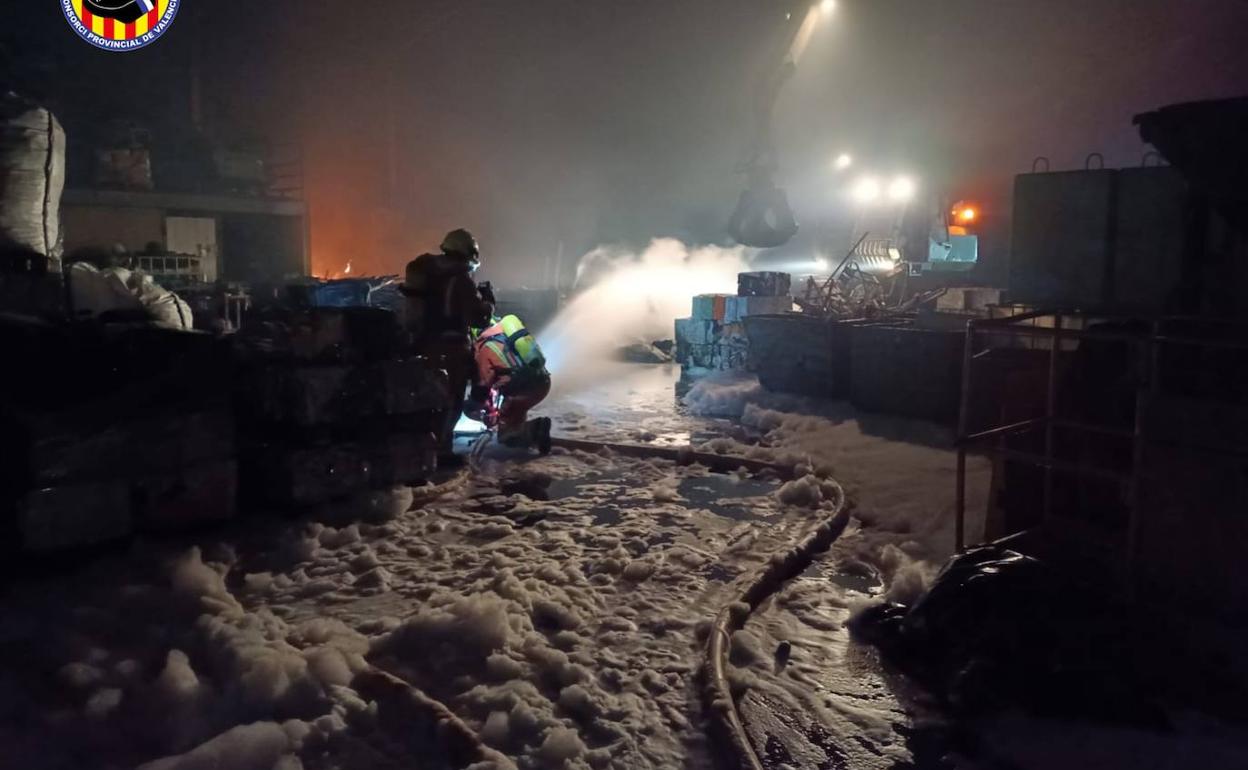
(726, 728)
(465, 747)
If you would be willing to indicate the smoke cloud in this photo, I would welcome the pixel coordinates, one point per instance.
(624, 296)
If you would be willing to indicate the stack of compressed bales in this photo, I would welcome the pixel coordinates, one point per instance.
(713, 337)
(330, 405)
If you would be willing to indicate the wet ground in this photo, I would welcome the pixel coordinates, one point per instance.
(843, 708)
(852, 714)
(721, 494)
(579, 567)
(810, 696)
(634, 404)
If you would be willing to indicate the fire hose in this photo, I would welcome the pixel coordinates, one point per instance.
(464, 746)
(726, 727)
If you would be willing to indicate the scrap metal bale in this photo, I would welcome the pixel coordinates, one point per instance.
(97, 412)
(401, 457)
(299, 395)
(690, 334)
(763, 284)
(710, 307)
(291, 474)
(322, 335)
(73, 516)
(294, 473)
(739, 308)
(703, 356)
(347, 334)
(732, 354)
(410, 385)
(191, 496)
(99, 445)
(307, 396)
(118, 371)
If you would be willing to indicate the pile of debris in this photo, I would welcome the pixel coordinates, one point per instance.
(111, 429)
(855, 293)
(713, 338)
(330, 405)
(1000, 632)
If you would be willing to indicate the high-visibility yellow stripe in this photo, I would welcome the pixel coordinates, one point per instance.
(119, 31)
(162, 6)
(140, 26)
(78, 8)
(97, 25)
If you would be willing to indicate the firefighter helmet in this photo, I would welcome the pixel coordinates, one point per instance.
(461, 243)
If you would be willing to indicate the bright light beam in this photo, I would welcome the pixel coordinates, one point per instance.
(806, 30)
(866, 190)
(901, 190)
(843, 161)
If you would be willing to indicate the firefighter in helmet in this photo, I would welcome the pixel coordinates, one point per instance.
(443, 302)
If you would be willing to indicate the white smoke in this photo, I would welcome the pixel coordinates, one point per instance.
(623, 297)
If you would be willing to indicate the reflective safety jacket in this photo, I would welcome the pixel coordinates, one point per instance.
(507, 353)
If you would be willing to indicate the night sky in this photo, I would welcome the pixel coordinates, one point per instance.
(554, 121)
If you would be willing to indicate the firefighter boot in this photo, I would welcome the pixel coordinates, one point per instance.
(530, 434)
(543, 435)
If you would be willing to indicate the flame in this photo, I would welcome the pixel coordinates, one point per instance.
(347, 270)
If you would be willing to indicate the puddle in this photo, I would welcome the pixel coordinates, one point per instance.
(672, 438)
(560, 489)
(605, 515)
(660, 538)
(868, 584)
(532, 487)
(725, 495)
(721, 494)
(683, 438)
(860, 583)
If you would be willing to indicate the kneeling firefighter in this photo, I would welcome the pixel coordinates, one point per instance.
(510, 363)
(443, 303)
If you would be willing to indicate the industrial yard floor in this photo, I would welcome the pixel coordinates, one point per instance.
(557, 605)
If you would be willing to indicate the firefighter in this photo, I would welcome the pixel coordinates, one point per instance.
(510, 363)
(443, 303)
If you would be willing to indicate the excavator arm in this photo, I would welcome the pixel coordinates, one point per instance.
(763, 218)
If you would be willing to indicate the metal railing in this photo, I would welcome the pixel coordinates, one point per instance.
(1058, 332)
